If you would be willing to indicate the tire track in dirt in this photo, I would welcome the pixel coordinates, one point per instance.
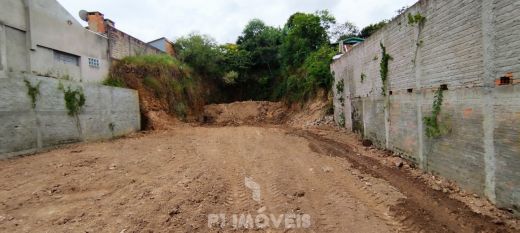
(340, 186)
(170, 182)
(424, 209)
(222, 156)
(339, 198)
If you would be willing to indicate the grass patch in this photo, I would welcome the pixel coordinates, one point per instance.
(114, 82)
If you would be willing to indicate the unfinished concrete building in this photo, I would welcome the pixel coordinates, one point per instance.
(50, 70)
(42, 38)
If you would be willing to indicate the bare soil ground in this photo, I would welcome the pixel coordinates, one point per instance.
(258, 178)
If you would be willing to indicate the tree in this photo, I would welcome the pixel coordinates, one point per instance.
(336, 31)
(371, 29)
(201, 52)
(343, 31)
(327, 20)
(317, 67)
(235, 62)
(235, 58)
(262, 42)
(304, 34)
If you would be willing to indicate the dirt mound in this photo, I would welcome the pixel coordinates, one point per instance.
(312, 114)
(245, 113)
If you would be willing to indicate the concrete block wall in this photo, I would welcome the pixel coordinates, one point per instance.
(122, 45)
(108, 112)
(468, 46)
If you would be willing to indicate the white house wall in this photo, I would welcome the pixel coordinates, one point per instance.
(45, 25)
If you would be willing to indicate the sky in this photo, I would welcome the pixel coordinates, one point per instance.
(224, 20)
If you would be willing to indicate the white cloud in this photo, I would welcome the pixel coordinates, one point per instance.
(224, 19)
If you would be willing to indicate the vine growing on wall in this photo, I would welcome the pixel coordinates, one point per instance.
(433, 127)
(363, 76)
(385, 58)
(112, 127)
(33, 92)
(416, 19)
(342, 120)
(74, 99)
(340, 86)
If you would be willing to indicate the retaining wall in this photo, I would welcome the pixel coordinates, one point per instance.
(468, 46)
(108, 112)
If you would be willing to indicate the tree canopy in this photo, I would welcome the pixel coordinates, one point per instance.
(270, 63)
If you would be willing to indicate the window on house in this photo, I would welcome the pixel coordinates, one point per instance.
(93, 62)
(66, 58)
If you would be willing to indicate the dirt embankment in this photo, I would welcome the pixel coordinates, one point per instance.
(168, 90)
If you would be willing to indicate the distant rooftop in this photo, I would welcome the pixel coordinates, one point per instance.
(353, 40)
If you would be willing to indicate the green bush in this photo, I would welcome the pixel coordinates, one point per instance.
(202, 53)
(231, 77)
(416, 19)
(304, 82)
(317, 67)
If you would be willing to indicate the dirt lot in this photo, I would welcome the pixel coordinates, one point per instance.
(183, 179)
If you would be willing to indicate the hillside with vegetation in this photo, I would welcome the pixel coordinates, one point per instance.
(290, 64)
